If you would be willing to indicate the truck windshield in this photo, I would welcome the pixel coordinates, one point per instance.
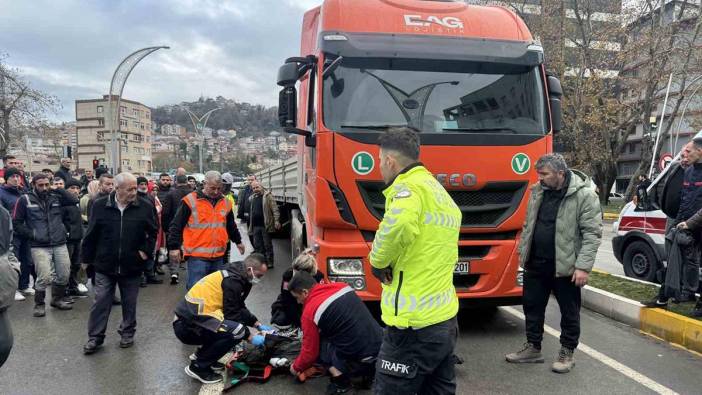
(367, 94)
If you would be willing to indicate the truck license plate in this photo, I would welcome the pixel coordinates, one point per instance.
(462, 268)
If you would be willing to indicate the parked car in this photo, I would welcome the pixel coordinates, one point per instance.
(640, 241)
(615, 197)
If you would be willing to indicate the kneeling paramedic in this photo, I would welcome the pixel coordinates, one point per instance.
(414, 255)
(213, 314)
(337, 330)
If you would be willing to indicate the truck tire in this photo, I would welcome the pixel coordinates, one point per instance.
(640, 262)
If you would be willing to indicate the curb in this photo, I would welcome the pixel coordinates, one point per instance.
(610, 216)
(671, 327)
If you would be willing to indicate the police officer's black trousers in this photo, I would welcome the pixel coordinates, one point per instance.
(537, 289)
(417, 361)
(214, 345)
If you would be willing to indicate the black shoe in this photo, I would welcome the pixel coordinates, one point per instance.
(75, 293)
(126, 342)
(142, 284)
(697, 311)
(217, 366)
(61, 305)
(339, 385)
(68, 299)
(174, 279)
(336, 388)
(205, 376)
(91, 346)
(655, 303)
(154, 280)
(684, 298)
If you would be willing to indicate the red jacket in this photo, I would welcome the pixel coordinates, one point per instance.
(310, 331)
(334, 312)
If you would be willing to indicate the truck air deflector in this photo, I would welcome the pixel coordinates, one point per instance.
(485, 207)
(454, 139)
(414, 46)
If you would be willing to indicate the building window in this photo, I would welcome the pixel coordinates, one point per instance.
(135, 112)
(122, 109)
(125, 162)
(632, 148)
(99, 109)
(123, 122)
(101, 122)
(125, 148)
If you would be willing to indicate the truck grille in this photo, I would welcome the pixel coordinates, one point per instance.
(486, 207)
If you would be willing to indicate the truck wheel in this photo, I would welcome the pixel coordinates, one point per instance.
(640, 261)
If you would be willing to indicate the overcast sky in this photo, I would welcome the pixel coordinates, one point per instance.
(230, 48)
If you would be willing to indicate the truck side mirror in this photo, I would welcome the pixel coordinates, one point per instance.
(555, 93)
(288, 74)
(287, 107)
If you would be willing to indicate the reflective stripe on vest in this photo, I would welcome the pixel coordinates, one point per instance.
(412, 303)
(204, 249)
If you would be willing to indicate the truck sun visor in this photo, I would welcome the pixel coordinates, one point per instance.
(433, 47)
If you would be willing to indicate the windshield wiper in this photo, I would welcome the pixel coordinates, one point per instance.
(373, 127)
(481, 130)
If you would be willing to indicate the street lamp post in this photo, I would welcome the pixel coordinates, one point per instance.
(119, 79)
(199, 123)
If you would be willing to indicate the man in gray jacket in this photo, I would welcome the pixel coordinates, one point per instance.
(557, 250)
(9, 273)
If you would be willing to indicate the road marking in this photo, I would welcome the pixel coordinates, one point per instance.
(618, 366)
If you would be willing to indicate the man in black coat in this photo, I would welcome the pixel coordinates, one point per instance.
(171, 201)
(121, 236)
(164, 186)
(74, 229)
(64, 171)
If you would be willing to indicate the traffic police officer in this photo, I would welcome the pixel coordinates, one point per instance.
(414, 254)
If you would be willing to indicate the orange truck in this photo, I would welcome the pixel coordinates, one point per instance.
(471, 79)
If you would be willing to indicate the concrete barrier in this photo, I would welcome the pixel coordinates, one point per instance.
(671, 327)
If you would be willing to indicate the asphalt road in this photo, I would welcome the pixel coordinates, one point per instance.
(612, 358)
(605, 256)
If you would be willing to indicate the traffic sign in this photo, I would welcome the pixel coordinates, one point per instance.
(521, 163)
(362, 163)
(665, 161)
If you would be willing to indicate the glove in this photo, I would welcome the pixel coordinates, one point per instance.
(265, 328)
(258, 340)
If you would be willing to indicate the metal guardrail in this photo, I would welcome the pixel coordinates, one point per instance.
(281, 181)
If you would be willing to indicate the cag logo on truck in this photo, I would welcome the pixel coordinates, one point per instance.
(420, 21)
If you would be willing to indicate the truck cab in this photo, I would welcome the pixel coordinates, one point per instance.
(470, 79)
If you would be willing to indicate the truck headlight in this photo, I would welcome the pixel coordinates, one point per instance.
(520, 277)
(345, 267)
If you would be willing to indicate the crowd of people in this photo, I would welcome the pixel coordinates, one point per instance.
(134, 227)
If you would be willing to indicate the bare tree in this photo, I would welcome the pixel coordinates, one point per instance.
(20, 104)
